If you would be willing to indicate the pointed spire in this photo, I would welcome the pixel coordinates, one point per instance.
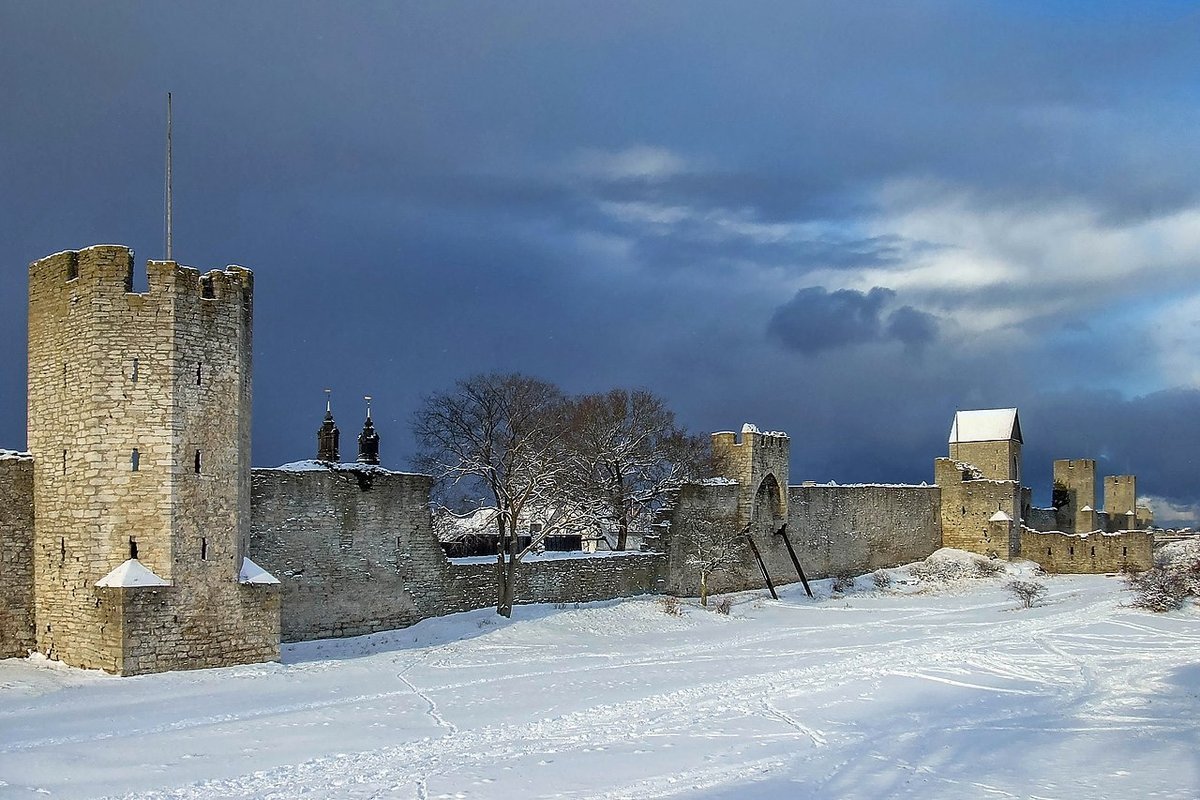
(368, 440)
(328, 435)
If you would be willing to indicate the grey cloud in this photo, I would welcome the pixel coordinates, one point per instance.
(816, 320)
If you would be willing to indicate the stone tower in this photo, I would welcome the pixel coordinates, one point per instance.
(1120, 501)
(139, 426)
(990, 440)
(1074, 495)
(759, 463)
(328, 436)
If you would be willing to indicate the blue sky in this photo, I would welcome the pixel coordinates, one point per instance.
(839, 220)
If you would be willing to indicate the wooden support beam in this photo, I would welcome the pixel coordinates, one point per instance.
(791, 552)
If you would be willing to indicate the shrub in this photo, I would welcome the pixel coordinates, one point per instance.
(881, 578)
(843, 584)
(670, 605)
(1028, 592)
(1174, 578)
(989, 568)
(724, 606)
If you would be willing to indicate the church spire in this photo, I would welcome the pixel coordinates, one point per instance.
(328, 434)
(368, 440)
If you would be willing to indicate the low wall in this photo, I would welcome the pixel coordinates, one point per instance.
(1086, 553)
(16, 555)
(355, 552)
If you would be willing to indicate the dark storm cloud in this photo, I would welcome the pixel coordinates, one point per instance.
(412, 185)
(816, 320)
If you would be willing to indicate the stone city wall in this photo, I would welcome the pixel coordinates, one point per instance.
(833, 530)
(355, 552)
(967, 506)
(1076, 553)
(16, 554)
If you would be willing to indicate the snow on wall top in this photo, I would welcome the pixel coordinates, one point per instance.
(986, 425)
(131, 573)
(15, 455)
(312, 465)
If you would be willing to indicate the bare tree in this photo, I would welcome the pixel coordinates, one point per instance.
(1028, 592)
(499, 436)
(711, 545)
(628, 452)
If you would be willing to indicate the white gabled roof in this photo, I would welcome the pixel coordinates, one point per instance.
(986, 425)
(131, 573)
(999, 516)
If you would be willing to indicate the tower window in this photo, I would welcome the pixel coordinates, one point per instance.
(1093, 552)
(73, 267)
(206, 290)
(62, 549)
(133, 374)
(132, 547)
(203, 549)
(135, 459)
(64, 374)
(199, 373)
(1070, 551)
(1124, 551)
(64, 466)
(1049, 551)
(197, 462)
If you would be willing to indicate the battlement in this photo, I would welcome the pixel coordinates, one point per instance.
(107, 270)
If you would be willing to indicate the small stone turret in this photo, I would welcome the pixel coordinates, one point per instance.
(328, 436)
(368, 440)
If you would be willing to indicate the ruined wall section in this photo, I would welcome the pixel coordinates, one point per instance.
(968, 503)
(1089, 553)
(113, 428)
(354, 549)
(16, 554)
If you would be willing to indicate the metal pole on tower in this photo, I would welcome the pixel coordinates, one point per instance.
(168, 232)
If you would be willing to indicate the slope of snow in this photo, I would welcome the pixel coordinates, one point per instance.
(253, 573)
(915, 693)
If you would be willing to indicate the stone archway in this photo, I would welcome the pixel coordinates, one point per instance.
(766, 512)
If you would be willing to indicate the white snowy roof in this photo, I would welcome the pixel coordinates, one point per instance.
(131, 573)
(253, 573)
(986, 425)
(1000, 516)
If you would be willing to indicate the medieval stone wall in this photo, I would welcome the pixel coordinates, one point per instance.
(16, 555)
(1090, 552)
(355, 551)
(998, 461)
(833, 530)
(968, 504)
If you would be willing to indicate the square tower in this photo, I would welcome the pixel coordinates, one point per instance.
(1074, 495)
(139, 426)
(759, 463)
(990, 440)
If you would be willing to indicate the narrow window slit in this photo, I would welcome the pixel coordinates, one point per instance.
(199, 373)
(64, 464)
(207, 291)
(135, 459)
(133, 547)
(133, 375)
(203, 549)
(197, 462)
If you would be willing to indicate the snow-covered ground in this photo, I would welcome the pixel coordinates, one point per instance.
(949, 694)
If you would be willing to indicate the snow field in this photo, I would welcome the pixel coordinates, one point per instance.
(932, 689)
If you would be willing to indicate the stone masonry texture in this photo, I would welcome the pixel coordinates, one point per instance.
(139, 425)
(354, 548)
(16, 555)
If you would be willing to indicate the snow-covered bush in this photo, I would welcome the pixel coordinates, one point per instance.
(670, 605)
(843, 583)
(1174, 578)
(881, 578)
(724, 606)
(989, 567)
(1028, 592)
(948, 565)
